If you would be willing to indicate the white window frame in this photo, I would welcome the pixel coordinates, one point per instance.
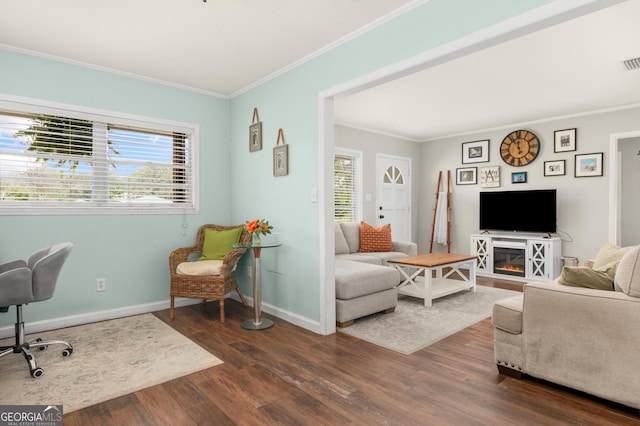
(357, 157)
(29, 105)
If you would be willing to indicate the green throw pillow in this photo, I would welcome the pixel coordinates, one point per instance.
(218, 243)
(581, 276)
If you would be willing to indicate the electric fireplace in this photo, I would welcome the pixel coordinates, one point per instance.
(509, 259)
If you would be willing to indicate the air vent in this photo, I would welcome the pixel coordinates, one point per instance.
(632, 64)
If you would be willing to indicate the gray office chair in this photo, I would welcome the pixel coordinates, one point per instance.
(32, 281)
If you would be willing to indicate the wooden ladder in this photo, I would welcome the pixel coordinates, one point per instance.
(435, 211)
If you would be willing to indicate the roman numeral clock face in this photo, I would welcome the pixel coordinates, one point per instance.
(519, 148)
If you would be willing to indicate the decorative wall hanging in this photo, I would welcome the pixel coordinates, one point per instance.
(467, 176)
(255, 132)
(554, 168)
(490, 177)
(519, 177)
(588, 164)
(564, 140)
(475, 152)
(280, 156)
(519, 148)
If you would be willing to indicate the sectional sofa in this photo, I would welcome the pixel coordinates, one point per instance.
(365, 283)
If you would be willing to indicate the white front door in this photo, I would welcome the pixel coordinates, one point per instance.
(393, 188)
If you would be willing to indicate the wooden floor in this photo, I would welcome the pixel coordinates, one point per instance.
(289, 376)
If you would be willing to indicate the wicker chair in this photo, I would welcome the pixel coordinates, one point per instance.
(208, 287)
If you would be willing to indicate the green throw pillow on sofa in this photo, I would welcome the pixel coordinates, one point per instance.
(581, 276)
(218, 243)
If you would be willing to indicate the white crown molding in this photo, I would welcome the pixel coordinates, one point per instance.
(377, 132)
(111, 71)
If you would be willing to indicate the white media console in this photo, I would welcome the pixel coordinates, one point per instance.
(517, 257)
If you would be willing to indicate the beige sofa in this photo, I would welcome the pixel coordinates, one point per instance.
(583, 338)
(365, 284)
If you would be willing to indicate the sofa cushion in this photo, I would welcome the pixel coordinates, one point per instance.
(200, 268)
(627, 277)
(361, 257)
(507, 314)
(375, 239)
(341, 245)
(355, 279)
(351, 232)
(608, 258)
(582, 276)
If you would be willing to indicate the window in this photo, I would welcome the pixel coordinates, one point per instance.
(63, 161)
(347, 185)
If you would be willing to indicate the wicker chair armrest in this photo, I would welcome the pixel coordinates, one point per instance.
(180, 255)
(232, 257)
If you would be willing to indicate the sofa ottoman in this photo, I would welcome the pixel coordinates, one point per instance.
(364, 289)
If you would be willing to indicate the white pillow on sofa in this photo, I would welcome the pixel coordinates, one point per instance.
(627, 277)
(340, 242)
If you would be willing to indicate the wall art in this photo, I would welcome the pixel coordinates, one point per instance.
(490, 177)
(587, 165)
(467, 176)
(564, 140)
(255, 132)
(554, 168)
(475, 152)
(280, 156)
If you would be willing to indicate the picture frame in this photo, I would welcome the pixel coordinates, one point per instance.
(475, 152)
(554, 168)
(565, 140)
(490, 177)
(588, 165)
(467, 176)
(519, 177)
(255, 137)
(280, 156)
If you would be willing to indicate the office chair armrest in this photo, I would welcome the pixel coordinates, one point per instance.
(15, 287)
(14, 264)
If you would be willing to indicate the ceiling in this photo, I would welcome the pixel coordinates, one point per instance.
(224, 47)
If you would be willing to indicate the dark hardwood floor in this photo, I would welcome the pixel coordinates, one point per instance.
(289, 376)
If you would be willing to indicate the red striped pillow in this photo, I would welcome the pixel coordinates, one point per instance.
(375, 239)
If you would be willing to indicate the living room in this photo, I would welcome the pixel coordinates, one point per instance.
(131, 250)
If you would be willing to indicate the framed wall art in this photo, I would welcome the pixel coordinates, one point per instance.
(564, 140)
(554, 168)
(255, 132)
(519, 177)
(490, 177)
(587, 165)
(467, 176)
(280, 156)
(475, 152)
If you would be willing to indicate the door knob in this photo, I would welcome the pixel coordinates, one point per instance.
(381, 216)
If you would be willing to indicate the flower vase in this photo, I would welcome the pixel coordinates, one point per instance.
(256, 239)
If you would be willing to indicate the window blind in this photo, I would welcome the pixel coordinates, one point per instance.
(49, 160)
(347, 186)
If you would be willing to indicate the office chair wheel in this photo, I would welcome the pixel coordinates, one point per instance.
(37, 372)
(67, 352)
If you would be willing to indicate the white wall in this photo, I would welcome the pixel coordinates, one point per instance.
(372, 144)
(582, 202)
(629, 191)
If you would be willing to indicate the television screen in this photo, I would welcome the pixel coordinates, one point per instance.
(518, 211)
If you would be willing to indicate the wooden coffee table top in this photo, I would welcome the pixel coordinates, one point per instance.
(432, 260)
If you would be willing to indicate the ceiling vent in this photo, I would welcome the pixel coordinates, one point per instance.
(632, 64)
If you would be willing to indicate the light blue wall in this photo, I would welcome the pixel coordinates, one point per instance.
(291, 102)
(130, 251)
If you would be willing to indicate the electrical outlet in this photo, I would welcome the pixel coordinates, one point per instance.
(101, 284)
(249, 271)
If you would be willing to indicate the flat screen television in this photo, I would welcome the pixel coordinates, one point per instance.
(531, 211)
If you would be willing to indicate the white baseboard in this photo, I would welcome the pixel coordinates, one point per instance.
(73, 320)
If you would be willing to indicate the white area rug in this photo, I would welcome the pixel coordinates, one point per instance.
(413, 326)
(110, 359)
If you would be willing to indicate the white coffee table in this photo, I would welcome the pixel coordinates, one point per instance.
(418, 275)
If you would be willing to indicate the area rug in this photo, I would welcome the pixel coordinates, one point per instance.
(110, 359)
(413, 326)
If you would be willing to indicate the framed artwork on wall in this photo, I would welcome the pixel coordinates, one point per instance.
(467, 176)
(564, 140)
(255, 132)
(519, 177)
(280, 156)
(490, 177)
(475, 152)
(587, 165)
(554, 168)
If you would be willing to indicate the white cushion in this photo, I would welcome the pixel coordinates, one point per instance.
(627, 277)
(340, 242)
(200, 267)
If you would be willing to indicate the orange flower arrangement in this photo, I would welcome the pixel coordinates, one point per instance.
(258, 227)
